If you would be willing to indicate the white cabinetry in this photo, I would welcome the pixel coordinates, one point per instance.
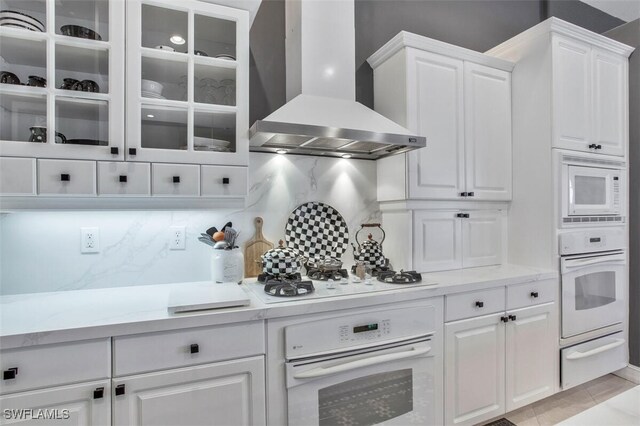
(461, 102)
(448, 239)
(502, 361)
(590, 97)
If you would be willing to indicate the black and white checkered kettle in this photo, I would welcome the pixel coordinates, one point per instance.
(370, 251)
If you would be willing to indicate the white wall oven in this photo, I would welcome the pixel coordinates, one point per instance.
(364, 369)
(592, 190)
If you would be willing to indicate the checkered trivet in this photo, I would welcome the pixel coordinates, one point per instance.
(317, 230)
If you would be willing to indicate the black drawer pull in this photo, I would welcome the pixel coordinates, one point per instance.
(460, 215)
(65, 177)
(119, 390)
(114, 150)
(123, 178)
(132, 151)
(98, 393)
(512, 317)
(10, 373)
(176, 179)
(534, 294)
(464, 194)
(593, 146)
(598, 146)
(504, 319)
(194, 348)
(471, 194)
(226, 181)
(479, 304)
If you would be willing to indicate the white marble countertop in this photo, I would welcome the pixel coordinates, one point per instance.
(43, 318)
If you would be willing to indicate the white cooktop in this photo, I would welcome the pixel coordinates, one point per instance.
(324, 289)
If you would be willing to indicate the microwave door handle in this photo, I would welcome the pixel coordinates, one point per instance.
(347, 366)
(604, 348)
(578, 263)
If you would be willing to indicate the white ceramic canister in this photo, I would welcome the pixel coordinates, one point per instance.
(227, 266)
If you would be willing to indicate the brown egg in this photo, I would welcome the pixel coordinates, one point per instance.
(218, 236)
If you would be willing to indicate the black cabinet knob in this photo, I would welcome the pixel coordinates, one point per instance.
(132, 151)
(194, 348)
(10, 373)
(466, 216)
(598, 146)
(464, 194)
(504, 319)
(479, 304)
(460, 215)
(534, 294)
(512, 317)
(114, 150)
(98, 393)
(65, 177)
(176, 179)
(226, 181)
(471, 194)
(593, 146)
(123, 178)
(119, 390)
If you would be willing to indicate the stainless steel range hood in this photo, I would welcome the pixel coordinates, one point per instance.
(321, 116)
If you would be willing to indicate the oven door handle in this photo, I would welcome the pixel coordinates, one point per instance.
(578, 263)
(603, 348)
(321, 371)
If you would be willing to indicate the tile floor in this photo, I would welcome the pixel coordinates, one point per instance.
(562, 406)
(622, 409)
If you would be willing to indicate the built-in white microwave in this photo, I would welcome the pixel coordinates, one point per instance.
(592, 190)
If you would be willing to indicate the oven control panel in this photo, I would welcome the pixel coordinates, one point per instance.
(578, 242)
(345, 332)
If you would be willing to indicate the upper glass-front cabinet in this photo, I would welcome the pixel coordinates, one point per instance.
(62, 78)
(187, 82)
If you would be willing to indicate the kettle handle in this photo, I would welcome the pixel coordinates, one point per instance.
(371, 225)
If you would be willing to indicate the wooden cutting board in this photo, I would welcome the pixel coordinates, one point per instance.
(253, 249)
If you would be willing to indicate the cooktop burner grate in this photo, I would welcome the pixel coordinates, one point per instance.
(402, 277)
(286, 288)
(263, 278)
(325, 275)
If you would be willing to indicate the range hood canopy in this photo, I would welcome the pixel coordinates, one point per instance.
(321, 116)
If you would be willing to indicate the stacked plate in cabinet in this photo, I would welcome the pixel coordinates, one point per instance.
(9, 18)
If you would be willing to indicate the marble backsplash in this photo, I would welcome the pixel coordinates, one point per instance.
(40, 250)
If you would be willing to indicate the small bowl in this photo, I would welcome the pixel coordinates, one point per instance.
(200, 53)
(36, 81)
(167, 48)
(80, 32)
(152, 87)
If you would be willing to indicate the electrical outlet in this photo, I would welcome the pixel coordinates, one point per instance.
(89, 240)
(177, 238)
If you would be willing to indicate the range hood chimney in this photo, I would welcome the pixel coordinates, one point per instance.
(321, 116)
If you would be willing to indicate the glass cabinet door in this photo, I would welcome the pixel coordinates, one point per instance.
(62, 90)
(183, 65)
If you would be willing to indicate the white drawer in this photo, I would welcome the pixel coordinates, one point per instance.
(178, 180)
(223, 181)
(474, 303)
(590, 360)
(124, 179)
(17, 176)
(66, 177)
(172, 349)
(52, 365)
(529, 294)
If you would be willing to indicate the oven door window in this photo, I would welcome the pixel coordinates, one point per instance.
(368, 400)
(595, 290)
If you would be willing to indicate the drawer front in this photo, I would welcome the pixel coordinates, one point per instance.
(17, 176)
(590, 360)
(124, 179)
(66, 177)
(474, 303)
(219, 181)
(530, 294)
(163, 350)
(177, 180)
(53, 365)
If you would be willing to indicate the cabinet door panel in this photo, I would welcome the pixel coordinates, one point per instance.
(82, 409)
(609, 102)
(225, 393)
(532, 357)
(474, 370)
(17, 176)
(438, 170)
(571, 94)
(482, 235)
(487, 132)
(437, 241)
